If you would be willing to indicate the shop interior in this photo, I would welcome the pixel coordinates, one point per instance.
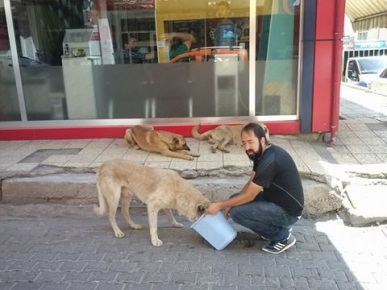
(81, 69)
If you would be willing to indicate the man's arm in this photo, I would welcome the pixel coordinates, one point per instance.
(247, 194)
(149, 56)
(183, 36)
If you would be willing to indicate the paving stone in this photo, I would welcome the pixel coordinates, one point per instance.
(20, 265)
(249, 269)
(323, 284)
(179, 267)
(73, 266)
(77, 277)
(47, 276)
(5, 264)
(6, 286)
(82, 286)
(121, 266)
(156, 277)
(112, 286)
(67, 256)
(51, 266)
(183, 278)
(103, 276)
(237, 280)
(298, 272)
(129, 277)
(27, 286)
(97, 266)
(55, 286)
(210, 279)
(158, 286)
(41, 256)
(340, 263)
(228, 269)
(279, 271)
(91, 257)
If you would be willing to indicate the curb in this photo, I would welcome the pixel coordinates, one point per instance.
(64, 191)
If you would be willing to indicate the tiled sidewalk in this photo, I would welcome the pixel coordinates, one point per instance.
(361, 140)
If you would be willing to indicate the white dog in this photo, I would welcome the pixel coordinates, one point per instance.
(157, 188)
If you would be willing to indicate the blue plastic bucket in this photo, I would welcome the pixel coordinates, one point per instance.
(215, 229)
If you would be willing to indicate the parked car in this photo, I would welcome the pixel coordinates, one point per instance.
(362, 70)
(379, 84)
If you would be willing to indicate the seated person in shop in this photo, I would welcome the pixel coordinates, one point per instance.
(134, 55)
(180, 42)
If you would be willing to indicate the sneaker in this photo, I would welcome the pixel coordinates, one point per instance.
(279, 247)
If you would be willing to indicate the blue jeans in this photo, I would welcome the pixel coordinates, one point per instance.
(265, 218)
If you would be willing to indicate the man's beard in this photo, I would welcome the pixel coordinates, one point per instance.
(254, 155)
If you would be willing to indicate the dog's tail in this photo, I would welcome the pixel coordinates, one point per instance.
(101, 209)
(195, 133)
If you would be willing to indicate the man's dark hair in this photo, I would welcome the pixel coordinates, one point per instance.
(258, 130)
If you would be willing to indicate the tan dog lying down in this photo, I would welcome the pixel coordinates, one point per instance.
(223, 135)
(157, 188)
(163, 142)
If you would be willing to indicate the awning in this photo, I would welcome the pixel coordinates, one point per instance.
(367, 14)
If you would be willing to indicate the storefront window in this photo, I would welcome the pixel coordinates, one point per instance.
(134, 59)
(171, 62)
(9, 105)
(277, 46)
(39, 31)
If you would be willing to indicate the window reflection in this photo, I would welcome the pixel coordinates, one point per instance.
(277, 58)
(9, 104)
(154, 59)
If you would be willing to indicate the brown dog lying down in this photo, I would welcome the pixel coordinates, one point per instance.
(163, 142)
(223, 135)
(157, 188)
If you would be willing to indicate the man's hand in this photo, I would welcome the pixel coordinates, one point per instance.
(226, 212)
(213, 208)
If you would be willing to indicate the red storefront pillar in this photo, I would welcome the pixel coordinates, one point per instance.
(328, 53)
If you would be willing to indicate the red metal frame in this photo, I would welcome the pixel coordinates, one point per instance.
(326, 84)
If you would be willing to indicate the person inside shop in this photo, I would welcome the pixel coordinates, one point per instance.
(273, 198)
(222, 9)
(93, 16)
(180, 42)
(225, 32)
(134, 55)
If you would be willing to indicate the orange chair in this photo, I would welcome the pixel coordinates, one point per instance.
(205, 54)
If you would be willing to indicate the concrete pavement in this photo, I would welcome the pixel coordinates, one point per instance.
(82, 253)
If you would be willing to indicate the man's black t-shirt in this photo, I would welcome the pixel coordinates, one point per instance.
(277, 173)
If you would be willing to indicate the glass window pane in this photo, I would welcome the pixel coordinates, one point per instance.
(154, 59)
(170, 61)
(278, 27)
(9, 104)
(39, 30)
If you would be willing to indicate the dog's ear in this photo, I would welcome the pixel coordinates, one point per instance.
(175, 140)
(201, 209)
